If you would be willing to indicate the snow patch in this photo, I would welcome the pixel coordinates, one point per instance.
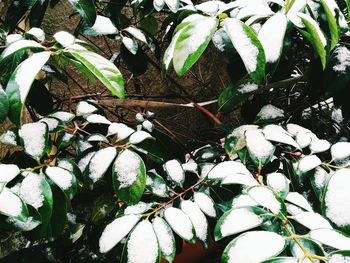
(205, 203)
(100, 162)
(179, 222)
(127, 167)
(30, 190)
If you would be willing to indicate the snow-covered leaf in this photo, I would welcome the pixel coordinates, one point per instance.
(100, 162)
(276, 133)
(205, 203)
(158, 4)
(248, 47)
(62, 116)
(192, 42)
(64, 38)
(142, 246)
(116, 231)
(238, 220)
(121, 130)
(331, 237)
(337, 199)
(318, 146)
(265, 197)
(260, 149)
(165, 238)
(278, 182)
(129, 176)
(8, 172)
(180, 223)
(138, 208)
(9, 138)
(271, 36)
(311, 246)
(130, 44)
(11, 205)
(265, 244)
(156, 184)
(139, 136)
(64, 179)
(86, 9)
(308, 163)
(20, 83)
(340, 151)
(52, 123)
(18, 46)
(85, 108)
(96, 137)
(98, 119)
(269, 113)
(175, 171)
(34, 138)
(198, 219)
(339, 257)
(299, 200)
(312, 220)
(173, 5)
(226, 169)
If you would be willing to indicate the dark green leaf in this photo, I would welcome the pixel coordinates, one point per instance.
(86, 9)
(4, 105)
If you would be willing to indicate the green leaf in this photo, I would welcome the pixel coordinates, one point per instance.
(239, 250)
(197, 35)
(59, 212)
(4, 105)
(335, 197)
(103, 69)
(248, 47)
(11, 205)
(87, 73)
(129, 177)
(332, 22)
(315, 36)
(234, 94)
(20, 83)
(311, 246)
(86, 9)
(149, 24)
(34, 138)
(239, 220)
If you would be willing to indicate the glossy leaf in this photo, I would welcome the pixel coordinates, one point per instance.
(86, 9)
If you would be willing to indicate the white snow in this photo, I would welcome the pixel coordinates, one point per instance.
(142, 245)
(97, 118)
(9, 138)
(175, 171)
(338, 258)
(121, 130)
(65, 165)
(64, 38)
(228, 168)
(8, 172)
(33, 136)
(278, 182)
(320, 177)
(139, 117)
(104, 26)
(127, 167)
(179, 222)
(276, 133)
(116, 231)
(190, 166)
(337, 115)
(270, 112)
(342, 54)
(266, 244)
(83, 145)
(27, 225)
(308, 162)
(243, 200)
(85, 108)
(197, 218)
(244, 179)
(271, 36)
(293, 209)
(148, 126)
(266, 198)
(26, 72)
(239, 220)
(10, 204)
(257, 145)
(317, 145)
(242, 43)
(97, 138)
(12, 38)
(206, 168)
(247, 87)
(83, 162)
(337, 198)
(165, 236)
(17, 45)
(62, 177)
(304, 139)
(331, 237)
(205, 203)
(30, 190)
(340, 151)
(139, 136)
(210, 7)
(312, 220)
(299, 200)
(158, 4)
(100, 162)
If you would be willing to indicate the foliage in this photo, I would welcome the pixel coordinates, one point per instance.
(272, 191)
